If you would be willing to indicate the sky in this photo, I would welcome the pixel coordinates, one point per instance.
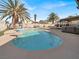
(63, 8)
(42, 8)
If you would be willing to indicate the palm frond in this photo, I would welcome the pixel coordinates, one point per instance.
(2, 17)
(16, 3)
(11, 3)
(3, 6)
(8, 18)
(6, 3)
(3, 11)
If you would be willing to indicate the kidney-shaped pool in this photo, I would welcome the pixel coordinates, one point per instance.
(34, 40)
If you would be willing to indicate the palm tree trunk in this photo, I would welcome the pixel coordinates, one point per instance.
(14, 20)
(53, 22)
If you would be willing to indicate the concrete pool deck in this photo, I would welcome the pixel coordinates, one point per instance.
(68, 50)
(5, 39)
(8, 36)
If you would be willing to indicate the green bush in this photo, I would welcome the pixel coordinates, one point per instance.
(2, 32)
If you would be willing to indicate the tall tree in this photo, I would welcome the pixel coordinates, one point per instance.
(52, 17)
(13, 9)
(35, 16)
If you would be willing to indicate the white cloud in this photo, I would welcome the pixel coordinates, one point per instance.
(30, 8)
(55, 5)
(43, 9)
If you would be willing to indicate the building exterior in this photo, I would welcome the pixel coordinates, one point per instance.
(70, 21)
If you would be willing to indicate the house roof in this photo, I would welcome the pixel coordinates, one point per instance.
(71, 18)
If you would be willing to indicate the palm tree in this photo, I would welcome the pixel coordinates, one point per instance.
(13, 9)
(35, 16)
(52, 17)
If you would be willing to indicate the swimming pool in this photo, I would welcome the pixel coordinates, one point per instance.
(34, 40)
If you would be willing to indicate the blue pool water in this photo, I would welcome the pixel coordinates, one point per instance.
(33, 40)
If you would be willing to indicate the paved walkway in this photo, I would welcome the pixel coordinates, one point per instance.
(8, 36)
(5, 39)
(68, 50)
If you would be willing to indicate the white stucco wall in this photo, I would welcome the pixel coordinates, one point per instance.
(75, 22)
(3, 26)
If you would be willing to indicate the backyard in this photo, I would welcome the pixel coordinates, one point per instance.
(68, 50)
(39, 29)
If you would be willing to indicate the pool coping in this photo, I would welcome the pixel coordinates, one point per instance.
(8, 36)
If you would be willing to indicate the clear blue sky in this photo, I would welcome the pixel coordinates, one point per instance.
(63, 8)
